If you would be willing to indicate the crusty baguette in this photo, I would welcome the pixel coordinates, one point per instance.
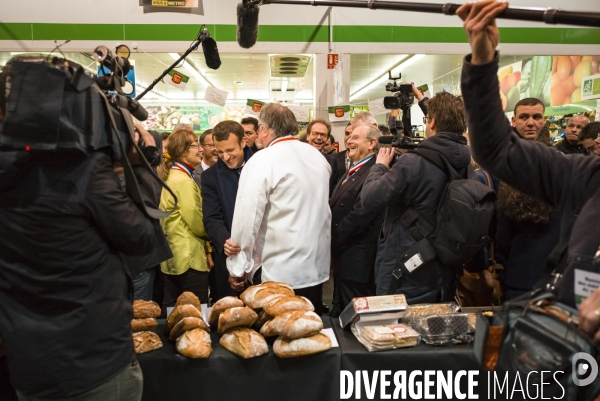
(186, 324)
(221, 306)
(236, 317)
(296, 324)
(288, 348)
(146, 341)
(194, 344)
(144, 309)
(188, 298)
(179, 313)
(285, 304)
(244, 342)
(147, 324)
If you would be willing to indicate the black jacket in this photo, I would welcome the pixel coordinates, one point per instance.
(340, 163)
(219, 190)
(333, 178)
(568, 149)
(411, 182)
(65, 295)
(354, 230)
(557, 179)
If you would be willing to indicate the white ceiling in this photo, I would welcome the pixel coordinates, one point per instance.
(253, 71)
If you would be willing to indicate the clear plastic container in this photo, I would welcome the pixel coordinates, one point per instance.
(442, 329)
(382, 337)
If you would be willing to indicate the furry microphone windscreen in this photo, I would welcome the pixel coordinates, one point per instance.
(211, 53)
(247, 24)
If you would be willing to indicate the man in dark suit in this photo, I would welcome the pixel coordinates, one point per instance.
(342, 161)
(219, 190)
(354, 228)
(318, 130)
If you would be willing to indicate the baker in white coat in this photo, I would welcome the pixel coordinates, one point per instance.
(282, 216)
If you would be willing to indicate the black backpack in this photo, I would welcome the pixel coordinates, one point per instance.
(463, 215)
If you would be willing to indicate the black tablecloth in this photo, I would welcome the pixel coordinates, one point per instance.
(225, 376)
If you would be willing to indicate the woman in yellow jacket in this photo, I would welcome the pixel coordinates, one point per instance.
(187, 270)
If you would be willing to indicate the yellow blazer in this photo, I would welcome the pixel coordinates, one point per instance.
(183, 228)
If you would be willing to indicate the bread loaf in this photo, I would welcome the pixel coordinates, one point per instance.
(287, 347)
(263, 317)
(285, 304)
(145, 309)
(194, 344)
(276, 284)
(147, 324)
(236, 317)
(179, 313)
(146, 341)
(266, 331)
(186, 324)
(220, 306)
(257, 296)
(296, 324)
(188, 298)
(244, 342)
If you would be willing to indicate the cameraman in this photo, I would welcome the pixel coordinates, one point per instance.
(65, 294)
(415, 183)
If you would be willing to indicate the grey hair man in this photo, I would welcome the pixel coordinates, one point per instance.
(363, 118)
(281, 211)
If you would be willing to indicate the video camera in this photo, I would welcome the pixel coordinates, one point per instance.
(53, 104)
(402, 100)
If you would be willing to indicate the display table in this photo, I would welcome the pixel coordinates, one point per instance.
(225, 376)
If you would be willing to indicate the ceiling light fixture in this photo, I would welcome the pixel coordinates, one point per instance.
(404, 62)
(191, 70)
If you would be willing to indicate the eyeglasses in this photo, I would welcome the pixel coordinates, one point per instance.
(194, 145)
(209, 145)
(319, 134)
(425, 119)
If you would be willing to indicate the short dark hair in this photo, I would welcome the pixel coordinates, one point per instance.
(250, 120)
(529, 101)
(320, 121)
(165, 135)
(448, 111)
(385, 131)
(590, 131)
(225, 128)
(331, 139)
(204, 135)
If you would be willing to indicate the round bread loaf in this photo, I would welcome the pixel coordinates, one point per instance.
(145, 309)
(266, 331)
(186, 324)
(296, 324)
(263, 317)
(285, 304)
(244, 342)
(221, 306)
(147, 324)
(146, 341)
(257, 296)
(194, 344)
(236, 317)
(188, 298)
(288, 348)
(179, 313)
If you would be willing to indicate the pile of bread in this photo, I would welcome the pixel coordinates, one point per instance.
(143, 326)
(274, 310)
(186, 326)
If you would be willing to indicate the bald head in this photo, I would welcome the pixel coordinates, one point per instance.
(363, 118)
(574, 127)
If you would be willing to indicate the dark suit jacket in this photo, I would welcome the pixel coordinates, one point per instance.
(197, 171)
(333, 179)
(340, 163)
(354, 229)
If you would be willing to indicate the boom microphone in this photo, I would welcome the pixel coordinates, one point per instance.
(247, 23)
(211, 53)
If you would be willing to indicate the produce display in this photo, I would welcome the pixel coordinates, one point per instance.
(165, 118)
(567, 74)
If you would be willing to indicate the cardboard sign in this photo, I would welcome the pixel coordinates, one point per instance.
(216, 96)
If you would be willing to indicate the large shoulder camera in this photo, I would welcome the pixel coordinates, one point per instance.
(402, 100)
(53, 104)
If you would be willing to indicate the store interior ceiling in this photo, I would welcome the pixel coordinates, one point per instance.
(255, 76)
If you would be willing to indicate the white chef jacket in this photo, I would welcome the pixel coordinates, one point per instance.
(282, 215)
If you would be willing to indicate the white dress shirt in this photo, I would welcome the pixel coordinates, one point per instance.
(282, 215)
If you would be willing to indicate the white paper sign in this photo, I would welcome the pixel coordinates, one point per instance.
(414, 262)
(329, 333)
(216, 96)
(585, 283)
(338, 83)
(301, 113)
(376, 107)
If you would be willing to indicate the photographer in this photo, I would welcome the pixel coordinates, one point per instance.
(65, 294)
(415, 183)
